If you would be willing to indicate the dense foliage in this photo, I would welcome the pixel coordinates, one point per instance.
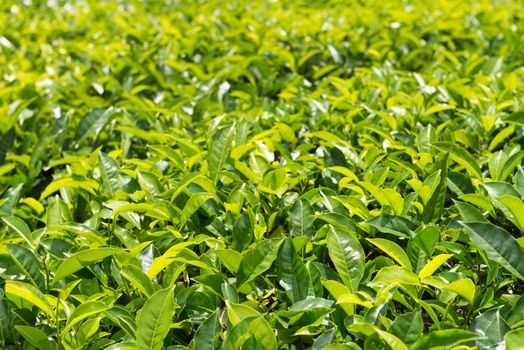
(261, 174)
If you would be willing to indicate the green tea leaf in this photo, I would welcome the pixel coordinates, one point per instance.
(82, 259)
(347, 255)
(499, 246)
(154, 320)
(138, 279)
(84, 311)
(36, 337)
(514, 339)
(433, 265)
(207, 332)
(257, 260)
(492, 326)
(193, 204)
(238, 312)
(123, 318)
(368, 329)
(21, 228)
(219, 150)
(461, 156)
(515, 209)
(30, 294)
(395, 274)
(434, 207)
(28, 263)
(396, 225)
(93, 122)
(338, 290)
(444, 338)
(393, 250)
(291, 271)
(408, 327)
(463, 287)
(301, 217)
(469, 213)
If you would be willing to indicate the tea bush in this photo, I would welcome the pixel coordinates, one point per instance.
(261, 174)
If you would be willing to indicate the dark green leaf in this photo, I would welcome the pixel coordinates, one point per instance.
(434, 208)
(82, 259)
(301, 217)
(93, 122)
(257, 260)
(291, 271)
(347, 255)
(444, 338)
(219, 149)
(36, 337)
(499, 246)
(207, 332)
(491, 326)
(154, 320)
(28, 263)
(408, 327)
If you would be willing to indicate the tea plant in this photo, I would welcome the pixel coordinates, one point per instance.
(261, 174)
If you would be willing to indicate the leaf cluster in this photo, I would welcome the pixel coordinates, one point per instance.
(261, 175)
